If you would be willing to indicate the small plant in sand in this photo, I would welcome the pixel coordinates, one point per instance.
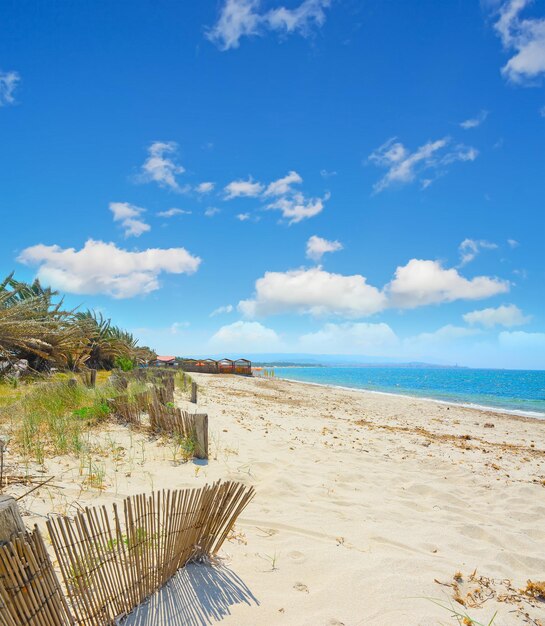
(96, 475)
(182, 449)
(273, 560)
(187, 447)
(461, 616)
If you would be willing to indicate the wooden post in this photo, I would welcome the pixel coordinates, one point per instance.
(93, 379)
(201, 435)
(11, 522)
(194, 393)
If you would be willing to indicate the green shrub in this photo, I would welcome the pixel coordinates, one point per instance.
(124, 363)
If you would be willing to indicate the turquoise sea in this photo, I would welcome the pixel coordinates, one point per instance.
(518, 391)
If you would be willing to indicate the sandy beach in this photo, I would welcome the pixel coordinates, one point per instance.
(368, 507)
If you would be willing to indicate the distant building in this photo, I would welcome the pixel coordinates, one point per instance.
(165, 361)
(242, 367)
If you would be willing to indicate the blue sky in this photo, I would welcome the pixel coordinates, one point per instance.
(345, 177)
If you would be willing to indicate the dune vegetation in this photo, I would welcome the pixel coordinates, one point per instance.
(43, 345)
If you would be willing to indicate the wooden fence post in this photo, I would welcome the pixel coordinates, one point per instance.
(201, 435)
(93, 379)
(194, 393)
(11, 522)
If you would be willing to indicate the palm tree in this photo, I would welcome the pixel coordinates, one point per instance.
(32, 327)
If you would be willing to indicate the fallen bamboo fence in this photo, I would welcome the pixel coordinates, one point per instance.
(30, 592)
(111, 562)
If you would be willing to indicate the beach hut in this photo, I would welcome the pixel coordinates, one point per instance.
(226, 366)
(243, 367)
(165, 361)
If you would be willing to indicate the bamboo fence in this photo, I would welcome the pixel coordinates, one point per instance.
(125, 410)
(30, 592)
(171, 420)
(111, 562)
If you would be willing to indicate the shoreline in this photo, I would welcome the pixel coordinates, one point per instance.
(383, 491)
(533, 415)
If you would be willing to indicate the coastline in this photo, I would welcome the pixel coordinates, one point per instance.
(535, 415)
(393, 495)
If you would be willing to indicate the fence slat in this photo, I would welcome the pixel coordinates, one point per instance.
(30, 593)
(107, 574)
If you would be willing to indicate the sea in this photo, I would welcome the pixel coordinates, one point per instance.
(519, 392)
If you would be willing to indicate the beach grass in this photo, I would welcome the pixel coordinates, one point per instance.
(51, 418)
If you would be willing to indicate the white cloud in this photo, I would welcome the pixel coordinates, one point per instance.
(221, 310)
(242, 188)
(313, 291)
(326, 174)
(444, 335)
(128, 215)
(173, 212)
(211, 211)
(103, 268)
(300, 19)
(205, 187)
(350, 338)
(297, 208)
(473, 122)
(422, 282)
(159, 168)
(317, 247)
(317, 292)
(404, 166)
(521, 340)
(526, 38)
(283, 185)
(8, 84)
(470, 248)
(243, 18)
(245, 337)
(513, 243)
(135, 228)
(293, 204)
(242, 217)
(507, 315)
(177, 326)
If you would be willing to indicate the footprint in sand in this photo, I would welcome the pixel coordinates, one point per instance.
(297, 556)
(301, 587)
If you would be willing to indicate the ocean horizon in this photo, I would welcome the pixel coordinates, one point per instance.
(514, 391)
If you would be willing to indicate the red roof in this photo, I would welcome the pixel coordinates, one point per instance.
(166, 359)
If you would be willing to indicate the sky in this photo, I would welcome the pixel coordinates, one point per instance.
(359, 177)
